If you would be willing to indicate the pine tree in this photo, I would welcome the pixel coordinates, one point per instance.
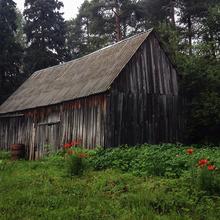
(123, 15)
(156, 11)
(89, 31)
(193, 16)
(210, 32)
(10, 49)
(100, 23)
(20, 36)
(45, 31)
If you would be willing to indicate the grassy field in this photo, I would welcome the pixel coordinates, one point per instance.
(150, 182)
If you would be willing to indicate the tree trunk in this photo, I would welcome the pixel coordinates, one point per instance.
(2, 82)
(213, 49)
(117, 22)
(172, 12)
(124, 29)
(190, 34)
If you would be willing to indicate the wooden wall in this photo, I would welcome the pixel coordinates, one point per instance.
(46, 129)
(14, 130)
(144, 104)
(85, 120)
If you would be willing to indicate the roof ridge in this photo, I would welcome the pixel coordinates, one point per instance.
(112, 45)
(97, 77)
(96, 51)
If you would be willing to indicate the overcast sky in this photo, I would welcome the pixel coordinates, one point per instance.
(70, 7)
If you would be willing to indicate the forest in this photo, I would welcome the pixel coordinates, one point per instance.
(40, 37)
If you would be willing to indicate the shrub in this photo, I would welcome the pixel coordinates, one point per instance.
(5, 155)
(159, 160)
(2, 165)
(75, 158)
(75, 165)
(209, 179)
(46, 192)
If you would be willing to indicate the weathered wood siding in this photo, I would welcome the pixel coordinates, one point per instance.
(143, 104)
(85, 120)
(14, 130)
(45, 130)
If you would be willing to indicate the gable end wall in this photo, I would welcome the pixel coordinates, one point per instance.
(143, 101)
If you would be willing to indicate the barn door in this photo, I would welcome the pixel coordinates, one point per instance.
(47, 139)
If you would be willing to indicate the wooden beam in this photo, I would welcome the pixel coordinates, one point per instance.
(48, 123)
(12, 116)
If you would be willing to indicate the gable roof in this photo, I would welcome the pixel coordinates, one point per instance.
(88, 75)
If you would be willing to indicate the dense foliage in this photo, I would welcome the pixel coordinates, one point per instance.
(45, 32)
(189, 29)
(160, 160)
(10, 50)
(147, 182)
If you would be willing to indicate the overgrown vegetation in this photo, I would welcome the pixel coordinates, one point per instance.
(160, 160)
(75, 157)
(190, 31)
(144, 182)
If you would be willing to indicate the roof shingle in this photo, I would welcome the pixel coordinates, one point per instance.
(88, 75)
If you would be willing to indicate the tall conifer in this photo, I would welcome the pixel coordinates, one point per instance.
(45, 31)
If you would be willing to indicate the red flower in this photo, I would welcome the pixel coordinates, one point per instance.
(71, 152)
(211, 167)
(75, 143)
(189, 151)
(67, 145)
(203, 162)
(82, 155)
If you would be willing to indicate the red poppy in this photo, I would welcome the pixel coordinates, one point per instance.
(82, 155)
(71, 152)
(203, 162)
(211, 167)
(67, 145)
(75, 143)
(189, 151)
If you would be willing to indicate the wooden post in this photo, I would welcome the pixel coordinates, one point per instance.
(31, 152)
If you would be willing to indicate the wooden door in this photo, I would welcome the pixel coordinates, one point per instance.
(47, 139)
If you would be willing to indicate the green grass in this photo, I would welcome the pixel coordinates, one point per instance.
(44, 190)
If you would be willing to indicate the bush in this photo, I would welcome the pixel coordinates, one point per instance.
(5, 155)
(209, 181)
(75, 156)
(182, 190)
(76, 161)
(75, 165)
(157, 160)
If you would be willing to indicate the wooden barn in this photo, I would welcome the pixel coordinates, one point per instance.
(126, 93)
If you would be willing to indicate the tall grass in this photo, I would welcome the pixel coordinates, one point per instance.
(108, 189)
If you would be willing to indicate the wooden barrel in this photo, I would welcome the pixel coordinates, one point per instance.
(17, 151)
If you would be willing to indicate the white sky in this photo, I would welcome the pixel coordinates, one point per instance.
(70, 7)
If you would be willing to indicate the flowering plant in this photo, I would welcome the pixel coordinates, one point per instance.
(203, 162)
(211, 167)
(75, 156)
(73, 143)
(206, 177)
(189, 151)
